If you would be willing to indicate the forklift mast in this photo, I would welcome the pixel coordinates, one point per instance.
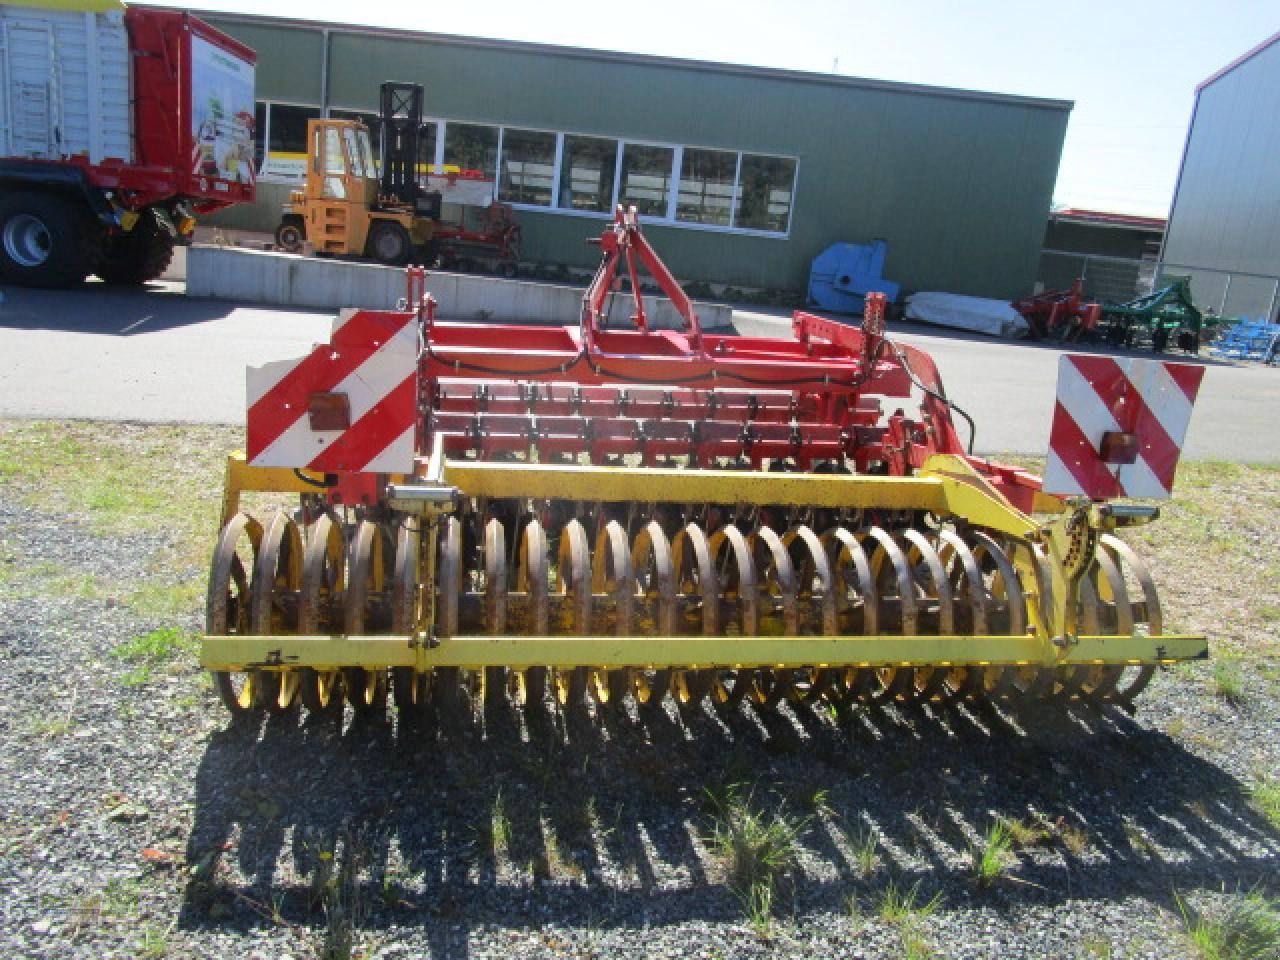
(401, 140)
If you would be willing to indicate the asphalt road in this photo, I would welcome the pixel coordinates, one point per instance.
(155, 355)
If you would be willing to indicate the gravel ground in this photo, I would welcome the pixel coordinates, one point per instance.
(136, 822)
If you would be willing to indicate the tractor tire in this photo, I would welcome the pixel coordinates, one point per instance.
(140, 255)
(389, 243)
(291, 234)
(47, 240)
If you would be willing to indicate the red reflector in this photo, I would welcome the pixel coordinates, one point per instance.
(1119, 447)
(329, 411)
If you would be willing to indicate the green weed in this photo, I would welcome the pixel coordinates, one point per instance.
(1032, 832)
(155, 647)
(1248, 929)
(1265, 796)
(864, 841)
(1227, 682)
(988, 858)
(499, 825)
(757, 846)
(902, 907)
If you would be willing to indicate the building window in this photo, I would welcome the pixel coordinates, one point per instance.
(471, 146)
(587, 170)
(289, 128)
(429, 141)
(646, 179)
(528, 167)
(706, 186)
(259, 134)
(765, 188)
(284, 131)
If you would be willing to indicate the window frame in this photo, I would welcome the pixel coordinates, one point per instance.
(321, 112)
(670, 217)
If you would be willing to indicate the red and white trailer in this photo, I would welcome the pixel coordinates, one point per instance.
(117, 127)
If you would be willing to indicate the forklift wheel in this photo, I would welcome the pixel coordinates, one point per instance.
(389, 243)
(290, 234)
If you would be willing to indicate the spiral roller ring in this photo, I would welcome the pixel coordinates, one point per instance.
(542, 573)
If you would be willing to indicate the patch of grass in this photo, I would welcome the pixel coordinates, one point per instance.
(1247, 929)
(864, 841)
(157, 646)
(988, 858)
(1227, 682)
(1035, 831)
(499, 825)
(167, 599)
(137, 677)
(902, 906)
(757, 847)
(1073, 838)
(1096, 946)
(817, 801)
(1138, 841)
(153, 943)
(336, 884)
(914, 947)
(1265, 797)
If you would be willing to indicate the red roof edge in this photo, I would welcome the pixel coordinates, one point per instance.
(1237, 61)
(1111, 219)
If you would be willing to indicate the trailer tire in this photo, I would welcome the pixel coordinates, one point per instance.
(140, 255)
(47, 240)
(389, 243)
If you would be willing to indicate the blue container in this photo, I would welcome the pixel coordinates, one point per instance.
(844, 273)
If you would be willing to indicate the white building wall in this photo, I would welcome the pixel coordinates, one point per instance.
(1226, 210)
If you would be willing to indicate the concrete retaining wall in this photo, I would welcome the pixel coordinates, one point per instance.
(252, 276)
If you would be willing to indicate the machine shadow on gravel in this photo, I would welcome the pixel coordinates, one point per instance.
(602, 821)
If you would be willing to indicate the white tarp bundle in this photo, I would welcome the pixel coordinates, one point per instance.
(994, 317)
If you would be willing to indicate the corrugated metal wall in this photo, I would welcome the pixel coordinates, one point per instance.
(1226, 211)
(960, 186)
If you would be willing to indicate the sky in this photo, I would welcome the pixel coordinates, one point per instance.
(1130, 66)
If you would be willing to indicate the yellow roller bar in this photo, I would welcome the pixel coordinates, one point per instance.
(474, 653)
(650, 484)
(942, 494)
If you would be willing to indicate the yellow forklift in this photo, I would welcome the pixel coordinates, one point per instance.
(346, 207)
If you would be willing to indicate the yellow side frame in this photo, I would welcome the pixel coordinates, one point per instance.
(241, 652)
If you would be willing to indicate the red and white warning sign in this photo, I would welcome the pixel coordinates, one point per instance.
(348, 406)
(1118, 426)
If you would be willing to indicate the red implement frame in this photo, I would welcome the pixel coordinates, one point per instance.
(816, 402)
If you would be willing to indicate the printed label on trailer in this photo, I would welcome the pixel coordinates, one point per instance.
(222, 114)
(1118, 426)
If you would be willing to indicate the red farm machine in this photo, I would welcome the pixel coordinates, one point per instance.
(149, 124)
(1064, 315)
(589, 517)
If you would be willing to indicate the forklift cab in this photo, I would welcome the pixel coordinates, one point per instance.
(342, 186)
(342, 161)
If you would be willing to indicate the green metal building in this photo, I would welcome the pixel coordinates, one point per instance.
(742, 175)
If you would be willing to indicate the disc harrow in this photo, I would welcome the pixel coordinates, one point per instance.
(593, 518)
